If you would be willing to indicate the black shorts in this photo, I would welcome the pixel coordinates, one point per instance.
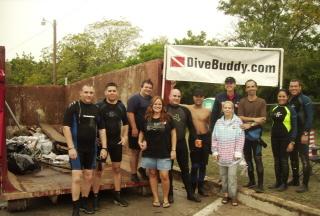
(84, 160)
(115, 152)
(133, 142)
(201, 155)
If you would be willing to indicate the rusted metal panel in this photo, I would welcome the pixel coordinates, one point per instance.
(53, 100)
(25, 100)
(128, 79)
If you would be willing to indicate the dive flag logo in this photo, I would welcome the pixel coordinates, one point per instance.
(177, 61)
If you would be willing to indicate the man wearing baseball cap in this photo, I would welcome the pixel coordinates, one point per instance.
(229, 95)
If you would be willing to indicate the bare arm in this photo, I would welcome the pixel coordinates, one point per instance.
(132, 122)
(142, 143)
(71, 150)
(124, 135)
(103, 139)
(173, 143)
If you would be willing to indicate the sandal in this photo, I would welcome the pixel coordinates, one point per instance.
(225, 200)
(156, 204)
(234, 202)
(166, 205)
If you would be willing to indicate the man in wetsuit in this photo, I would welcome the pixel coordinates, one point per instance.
(182, 120)
(114, 114)
(302, 104)
(81, 120)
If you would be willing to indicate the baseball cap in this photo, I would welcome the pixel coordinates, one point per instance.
(230, 80)
(198, 92)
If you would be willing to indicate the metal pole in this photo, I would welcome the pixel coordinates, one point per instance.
(54, 56)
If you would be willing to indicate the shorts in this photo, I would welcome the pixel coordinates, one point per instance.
(156, 163)
(114, 150)
(201, 155)
(84, 160)
(133, 142)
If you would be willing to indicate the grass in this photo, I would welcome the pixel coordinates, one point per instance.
(310, 198)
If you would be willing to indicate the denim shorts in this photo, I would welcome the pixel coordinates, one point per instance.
(156, 163)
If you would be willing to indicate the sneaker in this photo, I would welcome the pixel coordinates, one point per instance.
(194, 198)
(259, 189)
(143, 174)
(135, 178)
(118, 200)
(250, 185)
(225, 200)
(85, 206)
(202, 192)
(294, 182)
(282, 187)
(75, 210)
(303, 188)
(96, 202)
(274, 186)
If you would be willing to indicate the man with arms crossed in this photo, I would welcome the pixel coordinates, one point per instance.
(303, 107)
(137, 106)
(200, 142)
(252, 111)
(181, 119)
(81, 120)
(115, 119)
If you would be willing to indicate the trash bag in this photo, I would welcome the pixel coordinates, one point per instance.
(21, 163)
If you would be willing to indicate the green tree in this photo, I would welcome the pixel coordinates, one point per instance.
(293, 25)
(20, 68)
(149, 51)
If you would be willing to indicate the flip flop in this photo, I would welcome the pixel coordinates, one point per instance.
(156, 204)
(166, 205)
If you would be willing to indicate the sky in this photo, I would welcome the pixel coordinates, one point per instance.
(21, 29)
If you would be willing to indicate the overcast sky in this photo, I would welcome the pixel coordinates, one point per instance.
(21, 29)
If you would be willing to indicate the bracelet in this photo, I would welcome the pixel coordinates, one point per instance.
(104, 148)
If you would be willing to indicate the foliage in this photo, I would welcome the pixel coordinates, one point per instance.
(293, 25)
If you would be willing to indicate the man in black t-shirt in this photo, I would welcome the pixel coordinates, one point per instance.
(81, 120)
(137, 106)
(115, 118)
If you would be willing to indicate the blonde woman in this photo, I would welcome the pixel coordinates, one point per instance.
(227, 147)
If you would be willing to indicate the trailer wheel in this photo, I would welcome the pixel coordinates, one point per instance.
(17, 205)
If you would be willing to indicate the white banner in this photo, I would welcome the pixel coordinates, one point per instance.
(214, 64)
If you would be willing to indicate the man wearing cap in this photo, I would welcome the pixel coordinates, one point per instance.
(200, 142)
(229, 95)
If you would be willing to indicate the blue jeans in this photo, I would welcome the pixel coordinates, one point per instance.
(229, 180)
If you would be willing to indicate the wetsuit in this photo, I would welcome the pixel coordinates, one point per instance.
(181, 119)
(283, 131)
(304, 109)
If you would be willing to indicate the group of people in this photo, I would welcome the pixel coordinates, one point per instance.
(156, 132)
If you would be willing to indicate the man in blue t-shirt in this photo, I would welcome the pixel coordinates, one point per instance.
(80, 123)
(137, 106)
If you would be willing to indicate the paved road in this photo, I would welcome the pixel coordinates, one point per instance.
(139, 206)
